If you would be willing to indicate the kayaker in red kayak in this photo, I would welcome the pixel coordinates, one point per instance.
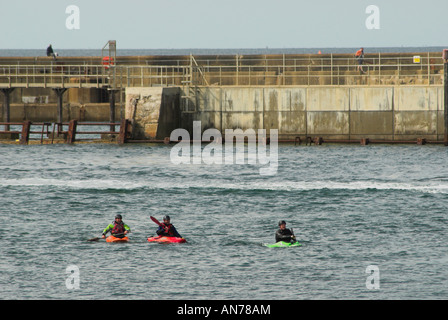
(117, 228)
(284, 234)
(167, 229)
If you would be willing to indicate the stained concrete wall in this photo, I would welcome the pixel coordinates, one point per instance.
(40, 104)
(154, 111)
(47, 95)
(48, 112)
(383, 113)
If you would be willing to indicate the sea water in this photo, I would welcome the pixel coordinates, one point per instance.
(351, 207)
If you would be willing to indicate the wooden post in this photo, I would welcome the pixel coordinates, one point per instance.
(123, 131)
(71, 137)
(365, 141)
(25, 137)
(318, 141)
(6, 106)
(445, 100)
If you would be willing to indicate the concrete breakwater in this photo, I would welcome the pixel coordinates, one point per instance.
(389, 113)
(396, 97)
(48, 112)
(40, 104)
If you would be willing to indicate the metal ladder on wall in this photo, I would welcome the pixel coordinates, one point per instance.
(109, 60)
(189, 100)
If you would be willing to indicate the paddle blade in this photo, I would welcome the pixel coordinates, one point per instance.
(156, 221)
(94, 239)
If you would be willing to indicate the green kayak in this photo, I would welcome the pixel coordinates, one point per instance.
(282, 244)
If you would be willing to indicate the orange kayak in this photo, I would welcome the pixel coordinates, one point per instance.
(115, 239)
(166, 239)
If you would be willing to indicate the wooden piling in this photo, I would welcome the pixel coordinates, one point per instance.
(25, 137)
(71, 136)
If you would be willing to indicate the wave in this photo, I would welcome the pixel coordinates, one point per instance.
(206, 184)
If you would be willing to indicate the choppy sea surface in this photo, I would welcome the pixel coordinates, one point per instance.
(350, 206)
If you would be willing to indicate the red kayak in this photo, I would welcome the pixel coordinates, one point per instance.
(166, 239)
(115, 239)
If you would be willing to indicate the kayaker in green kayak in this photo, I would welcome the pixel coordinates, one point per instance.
(117, 228)
(284, 234)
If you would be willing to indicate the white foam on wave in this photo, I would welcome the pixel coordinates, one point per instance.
(103, 184)
(74, 184)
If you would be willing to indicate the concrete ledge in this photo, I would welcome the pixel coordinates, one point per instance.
(9, 136)
(94, 112)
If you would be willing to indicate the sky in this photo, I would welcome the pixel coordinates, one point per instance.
(179, 24)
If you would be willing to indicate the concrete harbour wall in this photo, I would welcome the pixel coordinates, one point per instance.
(154, 111)
(47, 112)
(384, 113)
(390, 113)
(40, 104)
(398, 98)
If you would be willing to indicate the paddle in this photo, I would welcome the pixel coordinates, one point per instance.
(157, 221)
(293, 236)
(97, 239)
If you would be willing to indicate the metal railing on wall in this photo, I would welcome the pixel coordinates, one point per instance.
(233, 71)
(325, 71)
(25, 76)
(67, 132)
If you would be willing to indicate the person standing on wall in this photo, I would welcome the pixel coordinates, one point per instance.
(50, 52)
(359, 55)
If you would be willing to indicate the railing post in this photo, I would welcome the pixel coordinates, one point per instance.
(331, 71)
(379, 68)
(429, 70)
(60, 94)
(112, 109)
(237, 69)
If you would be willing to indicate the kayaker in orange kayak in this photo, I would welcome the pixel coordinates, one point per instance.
(117, 228)
(166, 229)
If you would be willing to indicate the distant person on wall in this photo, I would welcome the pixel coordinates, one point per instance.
(359, 55)
(50, 52)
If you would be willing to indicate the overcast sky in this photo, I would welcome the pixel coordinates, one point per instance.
(177, 24)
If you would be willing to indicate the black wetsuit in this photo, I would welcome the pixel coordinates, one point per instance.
(284, 235)
(172, 232)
